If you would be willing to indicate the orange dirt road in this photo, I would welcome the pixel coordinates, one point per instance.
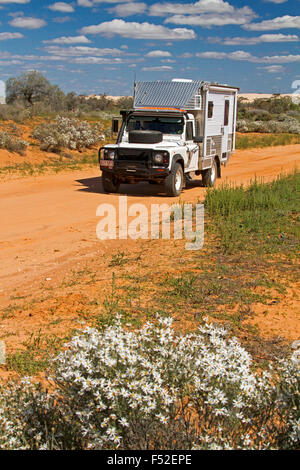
(47, 220)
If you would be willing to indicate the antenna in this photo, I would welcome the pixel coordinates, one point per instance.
(134, 88)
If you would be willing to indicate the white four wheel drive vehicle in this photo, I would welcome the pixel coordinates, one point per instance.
(177, 129)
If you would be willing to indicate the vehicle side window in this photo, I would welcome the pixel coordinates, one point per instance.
(210, 109)
(226, 113)
(189, 130)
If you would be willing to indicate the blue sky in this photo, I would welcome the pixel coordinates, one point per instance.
(94, 46)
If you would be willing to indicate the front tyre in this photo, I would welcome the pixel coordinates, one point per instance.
(209, 176)
(174, 182)
(110, 183)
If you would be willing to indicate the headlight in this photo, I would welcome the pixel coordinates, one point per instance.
(158, 158)
(109, 154)
(161, 158)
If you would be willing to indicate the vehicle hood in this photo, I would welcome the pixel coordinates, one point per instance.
(165, 145)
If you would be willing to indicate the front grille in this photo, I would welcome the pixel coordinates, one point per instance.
(133, 155)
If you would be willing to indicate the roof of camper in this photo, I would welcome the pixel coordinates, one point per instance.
(166, 94)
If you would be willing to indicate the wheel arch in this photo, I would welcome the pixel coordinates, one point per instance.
(218, 162)
(178, 159)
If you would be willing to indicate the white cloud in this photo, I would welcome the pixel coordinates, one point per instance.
(69, 55)
(280, 59)
(159, 54)
(186, 55)
(92, 3)
(204, 13)
(246, 56)
(10, 62)
(9, 2)
(161, 68)
(81, 51)
(211, 55)
(246, 41)
(240, 55)
(237, 17)
(62, 19)
(97, 60)
(276, 1)
(61, 6)
(68, 40)
(202, 6)
(8, 55)
(139, 30)
(85, 3)
(273, 68)
(5, 36)
(27, 22)
(281, 22)
(128, 9)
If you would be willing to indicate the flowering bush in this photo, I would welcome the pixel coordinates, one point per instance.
(67, 133)
(151, 389)
(289, 125)
(12, 143)
(289, 399)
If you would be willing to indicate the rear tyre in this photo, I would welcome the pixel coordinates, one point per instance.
(110, 183)
(209, 176)
(175, 181)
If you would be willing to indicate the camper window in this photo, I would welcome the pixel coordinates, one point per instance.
(210, 109)
(226, 114)
(189, 131)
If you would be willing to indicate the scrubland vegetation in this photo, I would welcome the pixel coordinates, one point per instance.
(246, 141)
(67, 133)
(12, 143)
(272, 116)
(32, 95)
(74, 122)
(67, 121)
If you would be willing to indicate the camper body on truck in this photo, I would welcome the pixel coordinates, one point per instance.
(178, 129)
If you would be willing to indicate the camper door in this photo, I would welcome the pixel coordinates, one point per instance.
(227, 129)
(220, 124)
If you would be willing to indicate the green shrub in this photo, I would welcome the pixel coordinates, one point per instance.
(16, 112)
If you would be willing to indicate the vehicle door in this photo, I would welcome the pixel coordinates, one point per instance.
(192, 149)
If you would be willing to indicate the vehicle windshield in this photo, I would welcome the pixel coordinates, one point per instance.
(166, 125)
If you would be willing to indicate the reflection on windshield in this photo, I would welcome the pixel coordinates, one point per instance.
(162, 124)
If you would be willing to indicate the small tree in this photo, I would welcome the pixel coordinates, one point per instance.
(126, 102)
(30, 87)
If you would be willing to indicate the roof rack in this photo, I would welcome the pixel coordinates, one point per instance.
(178, 95)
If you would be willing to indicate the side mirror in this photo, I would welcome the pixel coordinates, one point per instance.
(115, 126)
(198, 140)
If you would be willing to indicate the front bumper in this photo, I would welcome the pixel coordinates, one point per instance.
(127, 168)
